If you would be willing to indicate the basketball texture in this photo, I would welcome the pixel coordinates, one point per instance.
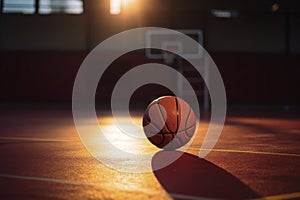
(169, 122)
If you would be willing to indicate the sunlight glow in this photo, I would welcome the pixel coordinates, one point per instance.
(123, 141)
(128, 3)
(115, 148)
(115, 7)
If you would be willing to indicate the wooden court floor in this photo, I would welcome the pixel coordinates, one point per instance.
(256, 157)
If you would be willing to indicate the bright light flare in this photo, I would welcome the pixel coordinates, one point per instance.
(115, 7)
(128, 3)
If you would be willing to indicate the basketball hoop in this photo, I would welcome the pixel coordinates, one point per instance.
(168, 57)
(171, 48)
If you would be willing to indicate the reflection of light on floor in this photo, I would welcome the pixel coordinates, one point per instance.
(125, 136)
(132, 182)
(127, 150)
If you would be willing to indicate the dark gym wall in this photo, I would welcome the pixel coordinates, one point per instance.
(43, 33)
(248, 34)
(294, 34)
(254, 31)
(255, 52)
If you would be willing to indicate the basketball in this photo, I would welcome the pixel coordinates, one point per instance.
(169, 122)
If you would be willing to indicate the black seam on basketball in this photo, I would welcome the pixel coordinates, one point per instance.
(164, 118)
(160, 132)
(146, 115)
(192, 126)
(152, 123)
(177, 115)
(169, 144)
(187, 118)
(162, 140)
(181, 140)
(189, 129)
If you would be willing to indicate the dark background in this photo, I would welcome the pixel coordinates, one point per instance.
(257, 52)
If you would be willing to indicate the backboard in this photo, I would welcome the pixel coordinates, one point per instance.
(174, 42)
(180, 46)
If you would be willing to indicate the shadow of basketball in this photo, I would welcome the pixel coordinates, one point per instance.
(193, 176)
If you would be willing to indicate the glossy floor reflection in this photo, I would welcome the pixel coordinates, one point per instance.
(42, 157)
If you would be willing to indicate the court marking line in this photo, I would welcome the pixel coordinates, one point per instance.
(62, 181)
(249, 152)
(213, 150)
(180, 196)
(34, 139)
(281, 196)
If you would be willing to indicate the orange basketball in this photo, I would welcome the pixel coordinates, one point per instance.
(169, 122)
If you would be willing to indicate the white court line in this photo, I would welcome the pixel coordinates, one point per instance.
(34, 139)
(249, 152)
(195, 149)
(179, 196)
(62, 181)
